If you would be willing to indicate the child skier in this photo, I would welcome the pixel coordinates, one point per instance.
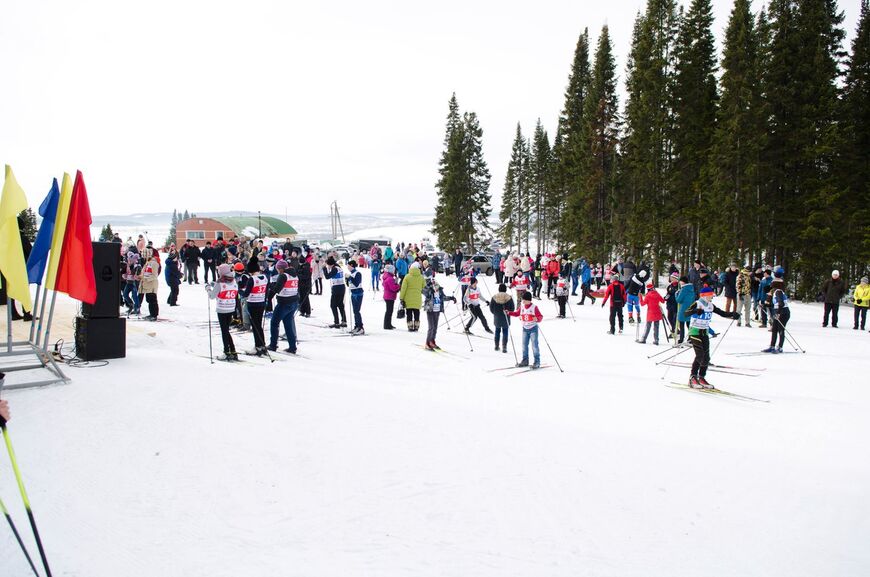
(700, 312)
(520, 283)
(500, 305)
(472, 300)
(562, 294)
(634, 288)
(433, 304)
(254, 292)
(616, 293)
(780, 314)
(530, 315)
(224, 291)
(465, 281)
(653, 302)
(335, 275)
(354, 281)
(285, 287)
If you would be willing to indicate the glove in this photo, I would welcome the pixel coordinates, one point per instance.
(402, 303)
(602, 305)
(860, 301)
(735, 316)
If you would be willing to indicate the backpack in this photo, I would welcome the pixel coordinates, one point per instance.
(618, 294)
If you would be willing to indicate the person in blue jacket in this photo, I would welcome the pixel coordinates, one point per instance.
(761, 297)
(496, 266)
(354, 281)
(685, 297)
(173, 276)
(401, 268)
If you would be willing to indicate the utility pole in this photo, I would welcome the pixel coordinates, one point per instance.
(259, 225)
(335, 221)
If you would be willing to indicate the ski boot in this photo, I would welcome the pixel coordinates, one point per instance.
(695, 383)
(503, 349)
(630, 320)
(523, 363)
(703, 382)
(769, 350)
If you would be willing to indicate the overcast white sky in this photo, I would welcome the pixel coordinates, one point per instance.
(269, 105)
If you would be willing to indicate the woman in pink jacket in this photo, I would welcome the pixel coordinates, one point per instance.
(391, 289)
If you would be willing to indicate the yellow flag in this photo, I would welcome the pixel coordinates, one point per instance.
(59, 229)
(12, 263)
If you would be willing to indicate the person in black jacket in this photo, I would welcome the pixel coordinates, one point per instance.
(304, 272)
(335, 275)
(191, 258)
(671, 302)
(209, 262)
(833, 290)
(500, 305)
(173, 277)
(457, 262)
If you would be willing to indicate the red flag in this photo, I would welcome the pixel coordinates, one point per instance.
(75, 272)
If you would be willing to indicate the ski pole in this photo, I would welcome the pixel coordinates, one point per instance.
(722, 339)
(24, 497)
(210, 350)
(510, 336)
(573, 318)
(791, 339)
(551, 348)
(18, 537)
(666, 350)
(463, 326)
(672, 356)
(446, 320)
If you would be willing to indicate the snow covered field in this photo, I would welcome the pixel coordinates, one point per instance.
(371, 456)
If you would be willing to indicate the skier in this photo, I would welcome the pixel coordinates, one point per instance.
(285, 287)
(464, 281)
(700, 312)
(254, 292)
(520, 283)
(562, 294)
(530, 315)
(354, 281)
(671, 303)
(634, 288)
(653, 301)
(303, 269)
(685, 297)
(391, 289)
(224, 292)
(472, 301)
(500, 305)
(335, 274)
(778, 302)
(616, 293)
(434, 300)
(833, 289)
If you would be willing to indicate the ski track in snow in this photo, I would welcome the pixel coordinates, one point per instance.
(376, 458)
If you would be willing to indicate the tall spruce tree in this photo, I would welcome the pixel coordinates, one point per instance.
(600, 139)
(647, 216)
(695, 100)
(516, 191)
(733, 169)
(540, 180)
(854, 169)
(172, 237)
(463, 205)
(802, 84)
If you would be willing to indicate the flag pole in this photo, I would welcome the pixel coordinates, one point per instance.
(48, 324)
(33, 313)
(8, 322)
(41, 316)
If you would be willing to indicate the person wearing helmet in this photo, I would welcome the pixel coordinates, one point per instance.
(833, 290)
(700, 313)
(224, 292)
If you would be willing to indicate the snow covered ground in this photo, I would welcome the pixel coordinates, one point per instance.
(371, 456)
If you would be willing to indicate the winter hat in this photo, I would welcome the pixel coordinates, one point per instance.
(706, 291)
(835, 273)
(502, 288)
(864, 280)
(282, 265)
(527, 296)
(415, 265)
(330, 260)
(649, 285)
(390, 268)
(684, 279)
(351, 263)
(778, 272)
(642, 274)
(253, 265)
(473, 280)
(225, 270)
(239, 266)
(675, 275)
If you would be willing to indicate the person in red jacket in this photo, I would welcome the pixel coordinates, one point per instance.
(653, 302)
(616, 293)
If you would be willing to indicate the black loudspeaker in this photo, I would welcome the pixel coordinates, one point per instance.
(101, 338)
(107, 273)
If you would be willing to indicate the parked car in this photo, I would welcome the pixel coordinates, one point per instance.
(482, 264)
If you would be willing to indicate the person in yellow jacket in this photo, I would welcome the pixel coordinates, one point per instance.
(862, 302)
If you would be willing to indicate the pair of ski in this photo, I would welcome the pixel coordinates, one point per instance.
(760, 353)
(742, 371)
(715, 391)
(441, 351)
(517, 370)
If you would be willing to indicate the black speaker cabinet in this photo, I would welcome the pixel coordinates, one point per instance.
(107, 273)
(101, 338)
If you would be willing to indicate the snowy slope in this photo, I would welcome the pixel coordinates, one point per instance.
(371, 456)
